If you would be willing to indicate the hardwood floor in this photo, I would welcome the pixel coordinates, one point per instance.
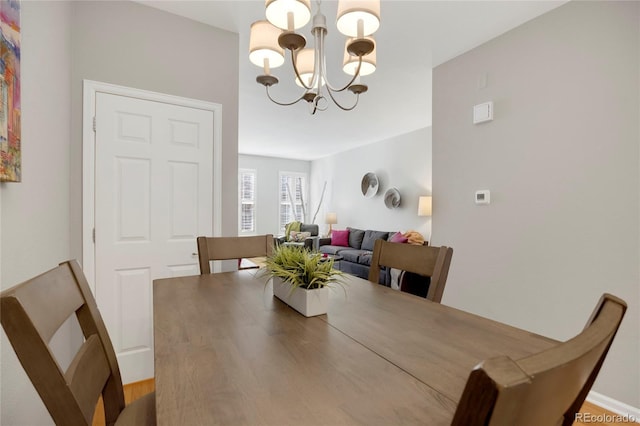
(134, 391)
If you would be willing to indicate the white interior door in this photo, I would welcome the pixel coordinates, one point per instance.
(153, 197)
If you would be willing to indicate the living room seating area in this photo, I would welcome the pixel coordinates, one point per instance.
(356, 248)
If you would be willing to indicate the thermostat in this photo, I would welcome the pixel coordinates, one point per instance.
(483, 196)
(483, 112)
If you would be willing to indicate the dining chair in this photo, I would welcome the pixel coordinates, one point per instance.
(428, 261)
(227, 248)
(31, 313)
(547, 388)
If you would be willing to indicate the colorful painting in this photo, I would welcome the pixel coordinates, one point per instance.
(10, 134)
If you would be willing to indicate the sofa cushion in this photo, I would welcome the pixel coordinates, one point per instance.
(370, 238)
(294, 243)
(355, 237)
(329, 249)
(352, 255)
(365, 258)
(340, 237)
(298, 236)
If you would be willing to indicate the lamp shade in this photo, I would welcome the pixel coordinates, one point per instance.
(350, 12)
(277, 12)
(263, 44)
(331, 219)
(424, 206)
(350, 62)
(305, 62)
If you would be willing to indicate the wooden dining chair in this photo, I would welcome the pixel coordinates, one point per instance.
(31, 313)
(547, 388)
(427, 261)
(227, 248)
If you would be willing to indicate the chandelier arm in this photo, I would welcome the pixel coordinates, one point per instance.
(338, 104)
(320, 71)
(355, 76)
(282, 103)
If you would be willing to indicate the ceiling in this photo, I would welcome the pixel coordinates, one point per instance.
(414, 37)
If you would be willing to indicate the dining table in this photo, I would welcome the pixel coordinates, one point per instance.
(227, 352)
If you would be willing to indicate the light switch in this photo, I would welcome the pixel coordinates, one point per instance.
(483, 112)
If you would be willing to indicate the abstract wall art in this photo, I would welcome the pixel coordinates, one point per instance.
(10, 110)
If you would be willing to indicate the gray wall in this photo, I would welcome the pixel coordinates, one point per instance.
(116, 42)
(267, 187)
(132, 45)
(35, 213)
(403, 162)
(562, 162)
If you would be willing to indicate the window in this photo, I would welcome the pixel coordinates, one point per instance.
(247, 198)
(293, 197)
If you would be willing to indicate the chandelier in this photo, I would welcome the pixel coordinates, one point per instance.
(356, 19)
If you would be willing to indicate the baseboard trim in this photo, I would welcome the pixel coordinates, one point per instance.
(615, 406)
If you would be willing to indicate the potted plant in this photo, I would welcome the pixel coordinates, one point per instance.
(301, 278)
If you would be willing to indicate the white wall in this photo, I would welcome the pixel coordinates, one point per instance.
(35, 213)
(267, 186)
(561, 159)
(403, 162)
(117, 42)
(132, 45)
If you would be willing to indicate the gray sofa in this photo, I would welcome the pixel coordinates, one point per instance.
(357, 257)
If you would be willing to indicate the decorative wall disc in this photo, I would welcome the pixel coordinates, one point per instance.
(369, 185)
(392, 198)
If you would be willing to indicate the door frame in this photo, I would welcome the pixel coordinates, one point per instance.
(90, 90)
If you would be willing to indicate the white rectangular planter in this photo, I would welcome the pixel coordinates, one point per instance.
(308, 302)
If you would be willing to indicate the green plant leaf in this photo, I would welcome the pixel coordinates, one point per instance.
(301, 268)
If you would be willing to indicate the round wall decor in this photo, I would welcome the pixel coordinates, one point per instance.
(369, 185)
(392, 198)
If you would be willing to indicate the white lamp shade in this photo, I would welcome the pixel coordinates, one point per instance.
(277, 13)
(424, 206)
(263, 44)
(351, 11)
(331, 219)
(305, 62)
(350, 63)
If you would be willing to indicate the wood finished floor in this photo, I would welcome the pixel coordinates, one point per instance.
(134, 391)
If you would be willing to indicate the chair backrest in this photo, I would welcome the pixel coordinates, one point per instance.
(313, 228)
(226, 248)
(547, 388)
(31, 313)
(424, 260)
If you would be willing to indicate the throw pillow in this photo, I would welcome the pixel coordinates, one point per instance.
(340, 238)
(299, 237)
(293, 226)
(370, 238)
(355, 237)
(399, 238)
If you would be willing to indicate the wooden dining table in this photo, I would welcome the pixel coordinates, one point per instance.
(229, 353)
